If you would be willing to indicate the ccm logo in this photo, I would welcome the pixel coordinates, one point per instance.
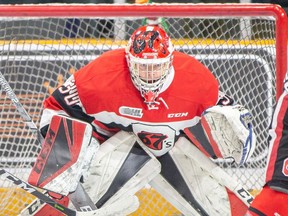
(177, 115)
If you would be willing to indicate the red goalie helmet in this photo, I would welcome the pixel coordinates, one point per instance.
(149, 56)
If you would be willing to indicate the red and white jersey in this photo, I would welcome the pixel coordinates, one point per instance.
(103, 94)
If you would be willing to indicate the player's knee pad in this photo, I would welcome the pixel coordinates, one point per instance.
(66, 154)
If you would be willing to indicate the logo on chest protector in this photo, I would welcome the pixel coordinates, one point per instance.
(133, 112)
(154, 141)
(158, 138)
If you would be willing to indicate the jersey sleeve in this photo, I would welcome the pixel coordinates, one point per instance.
(83, 94)
(64, 100)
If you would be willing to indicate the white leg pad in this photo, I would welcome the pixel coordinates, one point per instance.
(204, 188)
(108, 165)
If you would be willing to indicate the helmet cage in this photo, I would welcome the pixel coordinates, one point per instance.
(149, 75)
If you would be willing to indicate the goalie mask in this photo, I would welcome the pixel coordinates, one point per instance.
(149, 55)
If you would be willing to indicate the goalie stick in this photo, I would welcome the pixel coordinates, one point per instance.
(30, 189)
(21, 110)
(106, 210)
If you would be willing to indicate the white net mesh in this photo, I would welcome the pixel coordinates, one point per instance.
(38, 54)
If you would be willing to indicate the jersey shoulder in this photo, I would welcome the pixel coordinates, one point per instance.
(194, 80)
(109, 63)
(106, 76)
(190, 68)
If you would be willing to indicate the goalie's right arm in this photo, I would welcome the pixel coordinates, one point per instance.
(65, 100)
(66, 155)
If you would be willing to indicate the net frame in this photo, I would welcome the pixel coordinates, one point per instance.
(166, 10)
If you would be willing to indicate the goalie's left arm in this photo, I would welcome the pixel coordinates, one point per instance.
(225, 131)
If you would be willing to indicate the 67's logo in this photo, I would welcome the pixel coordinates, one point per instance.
(152, 140)
(158, 138)
(157, 143)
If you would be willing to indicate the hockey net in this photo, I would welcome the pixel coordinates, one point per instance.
(244, 45)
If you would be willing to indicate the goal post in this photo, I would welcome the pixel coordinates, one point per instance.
(244, 45)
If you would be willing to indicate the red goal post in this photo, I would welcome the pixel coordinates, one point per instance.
(244, 45)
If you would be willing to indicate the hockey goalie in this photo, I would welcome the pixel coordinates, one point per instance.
(139, 116)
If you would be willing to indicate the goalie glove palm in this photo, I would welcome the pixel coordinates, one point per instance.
(231, 129)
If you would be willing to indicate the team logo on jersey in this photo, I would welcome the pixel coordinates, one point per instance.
(152, 140)
(158, 138)
(130, 111)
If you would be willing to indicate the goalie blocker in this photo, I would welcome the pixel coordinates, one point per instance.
(66, 154)
(65, 157)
